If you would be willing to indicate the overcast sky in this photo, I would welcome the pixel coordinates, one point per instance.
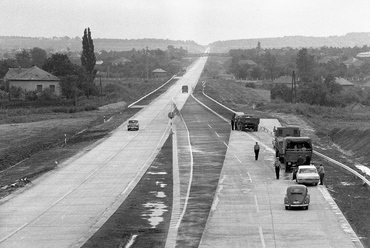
(203, 21)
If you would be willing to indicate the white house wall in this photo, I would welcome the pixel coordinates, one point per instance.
(32, 85)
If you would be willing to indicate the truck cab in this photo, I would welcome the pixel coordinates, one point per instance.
(280, 133)
(247, 122)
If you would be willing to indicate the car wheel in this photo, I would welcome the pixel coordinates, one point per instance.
(286, 207)
(306, 208)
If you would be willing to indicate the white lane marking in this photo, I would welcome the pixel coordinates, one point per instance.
(131, 241)
(14, 232)
(209, 126)
(226, 145)
(237, 158)
(217, 135)
(250, 178)
(261, 237)
(190, 178)
(256, 201)
(92, 173)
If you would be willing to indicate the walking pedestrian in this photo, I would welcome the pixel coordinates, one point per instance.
(300, 160)
(321, 172)
(256, 150)
(277, 168)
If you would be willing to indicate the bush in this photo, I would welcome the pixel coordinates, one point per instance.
(250, 85)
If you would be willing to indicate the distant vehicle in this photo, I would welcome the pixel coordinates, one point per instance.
(307, 174)
(247, 122)
(133, 125)
(297, 196)
(293, 147)
(185, 89)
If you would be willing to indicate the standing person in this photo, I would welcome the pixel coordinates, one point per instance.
(277, 168)
(300, 160)
(321, 172)
(256, 150)
(233, 122)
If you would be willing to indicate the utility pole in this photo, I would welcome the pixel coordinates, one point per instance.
(147, 65)
(293, 87)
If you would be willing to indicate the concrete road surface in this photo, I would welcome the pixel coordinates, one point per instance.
(248, 210)
(66, 206)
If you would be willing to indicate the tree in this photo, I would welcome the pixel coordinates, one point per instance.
(270, 64)
(38, 56)
(305, 65)
(88, 59)
(59, 65)
(23, 58)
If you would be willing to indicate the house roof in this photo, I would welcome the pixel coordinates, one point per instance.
(363, 55)
(29, 74)
(343, 82)
(353, 61)
(159, 70)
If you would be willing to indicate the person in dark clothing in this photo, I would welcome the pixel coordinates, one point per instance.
(307, 161)
(300, 160)
(256, 150)
(321, 172)
(277, 168)
(233, 122)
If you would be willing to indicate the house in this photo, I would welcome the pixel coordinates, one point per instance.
(31, 79)
(353, 61)
(159, 73)
(363, 55)
(344, 82)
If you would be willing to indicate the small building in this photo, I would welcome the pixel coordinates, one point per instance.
(363, 55)
(159, 73)
(344, 83)
(32, 79)
(353, 62)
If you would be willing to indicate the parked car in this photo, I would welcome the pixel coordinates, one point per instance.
(297, 196)
(133, 125)
(307, 174)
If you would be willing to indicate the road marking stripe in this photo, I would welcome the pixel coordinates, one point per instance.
(209, 126)
(256, 201)
(261, 237)
(237, 158)
(250, 178)
(226, 145)
(217, 134)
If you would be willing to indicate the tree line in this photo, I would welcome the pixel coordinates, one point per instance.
(315, 71)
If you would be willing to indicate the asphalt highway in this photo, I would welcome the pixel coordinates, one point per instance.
(65, 207)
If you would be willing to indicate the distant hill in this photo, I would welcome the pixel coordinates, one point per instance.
(75, 44)
(348, 40)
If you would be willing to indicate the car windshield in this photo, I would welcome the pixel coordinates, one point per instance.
(307, 170)
(132, 121)
(296, 191)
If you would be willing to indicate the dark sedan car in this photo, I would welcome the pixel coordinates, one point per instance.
(133, 125)
(297, 196)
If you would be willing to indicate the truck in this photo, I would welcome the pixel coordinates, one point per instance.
(247, 122)
(292, 148)
(280, 133)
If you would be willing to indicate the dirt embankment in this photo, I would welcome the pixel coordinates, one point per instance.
(354, 142)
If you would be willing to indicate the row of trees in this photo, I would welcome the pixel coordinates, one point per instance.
(273, 63)
(316, 81)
